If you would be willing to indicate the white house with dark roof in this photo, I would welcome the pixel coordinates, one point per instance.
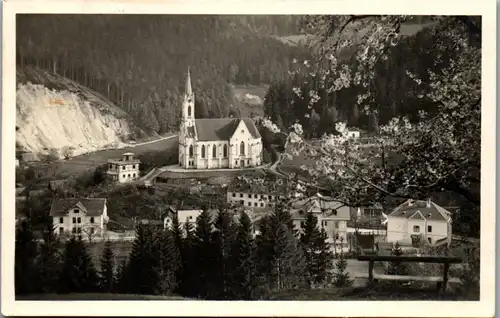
(419, 219)
(79, 216)
(125, 169)
(215, 143)
(332, 216)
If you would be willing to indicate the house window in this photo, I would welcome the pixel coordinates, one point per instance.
(189, 110)
(124, 176)
(74, 220)
(234, 194)
(429, 239)
(123, 167)
(79, 230)
(242, 148)
(128, 175)
(79, 220)
(61, 220)
(334, 212)
(91, 219)
(302, 224)
(73, 230)
(214, 151)
(110, 166)
(336, 236)
(429, 228)
(225, 151)
(336, 225)
(325, 223)
(249, 203)
(133, 166)
(262, 196)
(248, 161)
(241, 195)
(61, 230)
(203, 151)
(191, 151)
(416, 229)
(261, 204)
(255, 204)
(133, 175)
(91, 230)
(242, 202)
(76, 211)
(250, 196)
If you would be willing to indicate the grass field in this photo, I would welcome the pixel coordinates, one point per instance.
(97, 296)
(80, 164)
(250, 108)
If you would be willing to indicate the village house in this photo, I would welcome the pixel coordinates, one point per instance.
(353, 132)
(125, 169)
(421, 220)
(332, 216)
(214, 143)
(255, 196)
(79, 216)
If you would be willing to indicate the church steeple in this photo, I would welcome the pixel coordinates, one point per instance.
(188, 104)
(189, 90)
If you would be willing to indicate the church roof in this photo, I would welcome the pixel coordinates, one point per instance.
(209, 129)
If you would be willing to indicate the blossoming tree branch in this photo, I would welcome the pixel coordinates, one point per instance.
(436, 152)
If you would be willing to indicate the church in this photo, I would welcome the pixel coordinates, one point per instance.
(216, 143)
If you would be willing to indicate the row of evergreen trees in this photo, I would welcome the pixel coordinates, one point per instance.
(211, 259)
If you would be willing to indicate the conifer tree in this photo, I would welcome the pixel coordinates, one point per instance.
(188, 281)
(169, 262)
(78, 274)
(177, 236)
(283, 262)
(25, 254)
(204, 254)
(121, 278)
(341, 276)
(222, 237)
(319, 258)
(107, 273)
(243, 275)
(49, 263)
(395, 267)
(141, 273)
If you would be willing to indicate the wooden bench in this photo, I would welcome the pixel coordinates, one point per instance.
(441, 281)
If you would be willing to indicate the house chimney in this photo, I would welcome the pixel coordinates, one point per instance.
(429, 203)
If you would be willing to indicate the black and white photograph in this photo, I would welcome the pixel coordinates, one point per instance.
(238, 156)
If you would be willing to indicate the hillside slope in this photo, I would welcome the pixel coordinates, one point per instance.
(55, 112)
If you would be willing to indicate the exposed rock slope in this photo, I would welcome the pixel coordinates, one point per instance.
(53, 112)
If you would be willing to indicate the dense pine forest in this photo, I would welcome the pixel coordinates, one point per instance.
(140, 62)
(395, 94)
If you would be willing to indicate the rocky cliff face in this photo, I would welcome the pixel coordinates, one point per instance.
(66, 116)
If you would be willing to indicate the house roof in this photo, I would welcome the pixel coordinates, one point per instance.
(56, 184)
(419, 209)
(209, 129)
(92, 206)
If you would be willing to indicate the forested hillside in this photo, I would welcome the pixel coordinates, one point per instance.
(395, 94)
(140, 62)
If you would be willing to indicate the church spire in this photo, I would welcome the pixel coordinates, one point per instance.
(189, 90)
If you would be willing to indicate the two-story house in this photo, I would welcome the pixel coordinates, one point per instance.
(419, 220)
(125, 169)
(79, 216)
(332, 216)
(257, 197)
